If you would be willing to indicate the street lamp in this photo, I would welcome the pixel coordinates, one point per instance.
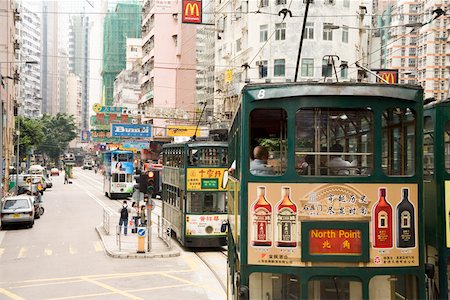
(16, 186)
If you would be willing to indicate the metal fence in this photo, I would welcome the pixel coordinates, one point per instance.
(106, 220)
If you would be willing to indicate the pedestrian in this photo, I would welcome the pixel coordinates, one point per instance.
(66, 177)
(124, 211)
(143, 216)
(134, 216)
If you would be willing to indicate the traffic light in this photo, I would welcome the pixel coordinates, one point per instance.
(150, 182)
(143, 182)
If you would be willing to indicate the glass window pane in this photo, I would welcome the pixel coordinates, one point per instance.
(334, 142)
(398, 142)
(392, 287)
(274, 286)
(334, 288)
(428, 149)
(447, 146)
(268, 142)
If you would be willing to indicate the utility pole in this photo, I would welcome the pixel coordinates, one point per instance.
(362, 12)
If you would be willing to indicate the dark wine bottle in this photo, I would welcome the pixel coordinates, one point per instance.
(405, 222)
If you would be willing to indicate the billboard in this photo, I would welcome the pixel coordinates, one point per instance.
(192, 12)
(85, 134)
(131, 130)
(98, 108)
(186, 130)
(125, 167)
(391, 76)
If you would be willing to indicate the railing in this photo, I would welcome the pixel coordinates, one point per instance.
(164, 231)
(106, 219)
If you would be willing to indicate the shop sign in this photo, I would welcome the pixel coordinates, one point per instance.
(98, 108)
(187, 131)
(391, 76)
(192, 12)
(131, 130)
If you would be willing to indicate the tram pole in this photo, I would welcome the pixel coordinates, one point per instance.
(301, 39)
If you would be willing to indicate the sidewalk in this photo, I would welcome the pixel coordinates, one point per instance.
(129, 244)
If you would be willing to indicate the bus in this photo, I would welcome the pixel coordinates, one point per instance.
(436, 175)
(193, 197)
(337, 216)
(118, 174)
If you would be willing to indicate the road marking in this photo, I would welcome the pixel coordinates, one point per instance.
(48, 252)
(87, 177)
(112, 289)
(100, 202)
(98, 246)
(22, 253)
(2, 235)
(10, 295)
(72, 250)
(2, 250)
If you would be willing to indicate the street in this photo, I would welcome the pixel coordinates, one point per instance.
(62, 257)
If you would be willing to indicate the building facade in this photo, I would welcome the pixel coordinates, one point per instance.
(63, 72)
(79, 60)
(168, 65)
(28, 90)
(122, 23)
(74, 99)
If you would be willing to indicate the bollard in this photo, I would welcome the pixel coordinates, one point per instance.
(141, 232)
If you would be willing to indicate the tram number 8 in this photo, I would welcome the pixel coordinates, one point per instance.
(261, 94)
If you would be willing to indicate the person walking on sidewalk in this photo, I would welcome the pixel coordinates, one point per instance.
(143, 216)
(124, 212)
(66, 177)
(135, 216)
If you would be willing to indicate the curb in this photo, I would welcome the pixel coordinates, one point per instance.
(117, 254)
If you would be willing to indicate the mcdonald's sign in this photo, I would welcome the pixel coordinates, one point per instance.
(391, 76)
(192, 12)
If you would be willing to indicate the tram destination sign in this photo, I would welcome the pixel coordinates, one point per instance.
(297, 224)
(201, 179)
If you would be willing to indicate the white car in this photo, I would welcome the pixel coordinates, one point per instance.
(17, 210)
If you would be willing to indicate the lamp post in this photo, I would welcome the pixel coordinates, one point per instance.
(16, 186)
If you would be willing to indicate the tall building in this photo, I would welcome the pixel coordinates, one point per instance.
(9, 47)
(79, 60)
(28, 90)
(124, 22)
(74, 98)
(49, 58)
(268, 44)
(63, 73)
(168, 63)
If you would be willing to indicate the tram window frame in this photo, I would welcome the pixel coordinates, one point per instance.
(402, 284)
(266, 135)
(334, 282)
(428, 148)
(219, 202)
(395, 161)
(334, 141)
(261, 287)
(447, 146)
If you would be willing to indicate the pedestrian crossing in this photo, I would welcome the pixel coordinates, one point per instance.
(33, 251)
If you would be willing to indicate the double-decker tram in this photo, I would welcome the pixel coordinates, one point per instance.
(118, 173)
(193, 196)
(436, 175)
(326, 190)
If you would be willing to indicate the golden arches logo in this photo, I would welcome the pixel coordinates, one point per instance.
(193, 10)
(390, 77)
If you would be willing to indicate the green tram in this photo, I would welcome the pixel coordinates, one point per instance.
(325, 192)
(194, 199)
(436, 175)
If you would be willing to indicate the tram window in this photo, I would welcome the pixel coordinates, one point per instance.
(391, 287)
(115, 177)
(268, 132)
(447, 146)
(121, 177)
(274, 286)
(398, 141)
(334, 142)
(334, 288)
(193, 157)
(428, 148)
(202, 202)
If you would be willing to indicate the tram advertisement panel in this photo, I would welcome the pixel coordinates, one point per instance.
(204, 179)
(205, 224)
(447, 210)
(374, 225)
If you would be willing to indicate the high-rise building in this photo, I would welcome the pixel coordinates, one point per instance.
(28, 32)
(168, 63)
(74, 99)
(79, 60)
(63, 73)
(124, 22)
(49, 58)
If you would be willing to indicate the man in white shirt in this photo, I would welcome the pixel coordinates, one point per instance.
(338, 165)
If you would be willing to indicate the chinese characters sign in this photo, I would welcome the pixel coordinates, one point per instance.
(192, 12)
(201, 179)
(279, 215)
(98, 108)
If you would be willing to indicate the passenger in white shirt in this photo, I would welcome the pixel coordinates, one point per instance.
(338, 165)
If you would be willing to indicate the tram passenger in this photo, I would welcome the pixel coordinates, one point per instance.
(338, 165)
(259, 165)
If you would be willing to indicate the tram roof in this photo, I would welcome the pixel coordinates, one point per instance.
(435, 103)
(295, 89)
(197, 144)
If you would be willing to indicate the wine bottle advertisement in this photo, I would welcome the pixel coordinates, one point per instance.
(276, 212)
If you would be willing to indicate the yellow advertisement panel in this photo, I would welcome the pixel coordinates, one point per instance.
(447, 209)
(204, 179)
(185, 130)
(276, 213)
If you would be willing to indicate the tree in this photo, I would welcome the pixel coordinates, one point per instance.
(59, 130)
(31, 134)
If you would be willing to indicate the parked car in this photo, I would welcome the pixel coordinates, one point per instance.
(17, 210)
(25, 180)
(88, 165)
(54, 172)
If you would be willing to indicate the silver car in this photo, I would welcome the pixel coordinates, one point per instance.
(17, 210)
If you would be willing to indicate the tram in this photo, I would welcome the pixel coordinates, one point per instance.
(335, 212)
(436, 175)
(118, 173)
(194, 200)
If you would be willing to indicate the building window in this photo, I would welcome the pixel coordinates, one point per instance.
(279, 67)
(309, 31)
(280, 2)
(280, 31)
(345, 34)
(307, 67)
(264, 3)
(262, 66)
(346, 3)
(263, 33)
(344, 71)
(238, 45)
(326, 68)
(327, 33)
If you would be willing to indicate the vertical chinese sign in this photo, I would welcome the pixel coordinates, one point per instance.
(192, 12)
